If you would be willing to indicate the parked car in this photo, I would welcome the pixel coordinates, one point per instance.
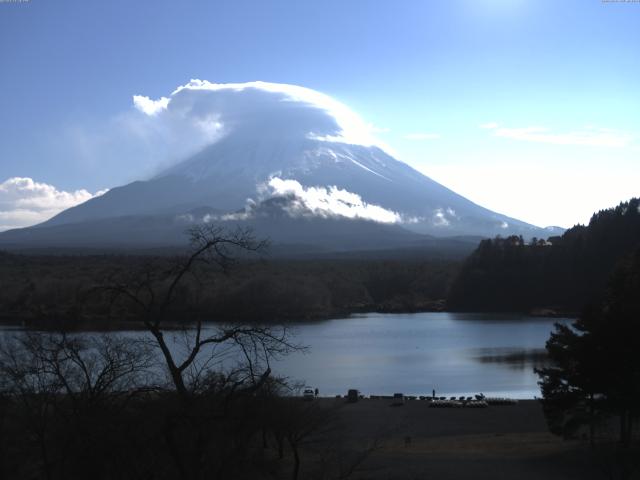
(352, 395)
(308, 394)
(398, 399)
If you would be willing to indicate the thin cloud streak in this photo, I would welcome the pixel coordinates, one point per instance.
(590, 136)
(422, 136)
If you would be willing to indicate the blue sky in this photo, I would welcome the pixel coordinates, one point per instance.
(530, 108)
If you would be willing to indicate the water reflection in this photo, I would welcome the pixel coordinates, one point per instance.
(454, 354)
(510, 358)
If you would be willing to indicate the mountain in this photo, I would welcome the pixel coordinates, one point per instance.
(282, 163)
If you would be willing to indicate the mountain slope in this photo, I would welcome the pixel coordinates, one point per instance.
(224, 175)
(277, 142)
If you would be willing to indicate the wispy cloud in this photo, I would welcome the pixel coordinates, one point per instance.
(297, 201)
(422, 136)
(157, 132)
(588, 136)
(25, 202)
(256, 101)
(375, 129)
(443, 217)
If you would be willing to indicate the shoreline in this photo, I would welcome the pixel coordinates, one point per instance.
(99, 326)
(423, 398)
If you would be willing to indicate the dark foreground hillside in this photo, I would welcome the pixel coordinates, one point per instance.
(559, 274)
(329, 439)
(500, 442)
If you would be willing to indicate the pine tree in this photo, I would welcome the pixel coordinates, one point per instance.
(595, 370)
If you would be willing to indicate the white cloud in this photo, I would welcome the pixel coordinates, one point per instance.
(589, 136)
(422, 136)
(442, 217)
(148, 106)
(156, 133)
(439, 219)
(270, 105)
(25, 202)
(331, 201)
(301, 201)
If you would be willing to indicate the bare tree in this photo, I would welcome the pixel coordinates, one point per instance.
(153, 294)
(54, 382)
(315, 433)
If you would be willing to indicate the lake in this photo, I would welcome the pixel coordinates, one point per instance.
(380, 354)
(453, 353)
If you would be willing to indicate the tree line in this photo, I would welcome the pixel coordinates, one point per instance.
(58, 291)
(560, 273)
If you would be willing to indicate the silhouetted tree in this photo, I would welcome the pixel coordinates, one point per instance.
(80, 406)
(563, 273)
(60, 390)
(153, 294)
(219, 369)
(595, 371)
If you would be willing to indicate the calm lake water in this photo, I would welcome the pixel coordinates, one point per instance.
(453, 353)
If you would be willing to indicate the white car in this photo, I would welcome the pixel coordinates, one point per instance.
(308, 394)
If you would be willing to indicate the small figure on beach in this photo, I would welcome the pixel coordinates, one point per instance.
(317, 392)
(433, 393)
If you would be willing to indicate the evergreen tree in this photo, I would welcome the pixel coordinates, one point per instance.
(562, 273)
(595, 371)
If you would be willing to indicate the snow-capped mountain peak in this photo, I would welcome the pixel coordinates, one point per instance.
(265, 141)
